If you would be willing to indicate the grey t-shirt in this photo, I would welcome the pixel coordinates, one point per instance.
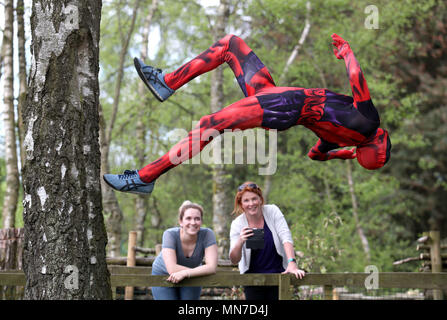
(171, 239)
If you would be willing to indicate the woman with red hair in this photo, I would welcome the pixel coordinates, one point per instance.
(338, 120)
(274, 254)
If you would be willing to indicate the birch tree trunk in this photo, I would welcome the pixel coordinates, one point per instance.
(112, 210)
(141, 202)
(12, 172)
(2, 54)
(65, 238)
(23, 86)
(221, 176)
(355, 214)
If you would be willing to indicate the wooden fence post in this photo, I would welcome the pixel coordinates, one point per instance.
(328, 292)
(11, 248)
(128, 293)
(435, 257)
(157, 249)
(284, 287)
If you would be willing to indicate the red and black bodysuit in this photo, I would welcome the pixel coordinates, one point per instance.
(338, 120)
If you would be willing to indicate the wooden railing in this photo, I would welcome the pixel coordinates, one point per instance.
(122, 276)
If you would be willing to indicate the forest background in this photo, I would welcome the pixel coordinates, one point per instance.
(342, 216)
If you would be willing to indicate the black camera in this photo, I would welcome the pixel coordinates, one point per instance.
(256, 241)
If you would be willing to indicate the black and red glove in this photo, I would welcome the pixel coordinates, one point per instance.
(343, 154)
(341, 46)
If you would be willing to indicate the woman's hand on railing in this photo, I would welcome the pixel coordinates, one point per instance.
(293, 269)
(178, 276)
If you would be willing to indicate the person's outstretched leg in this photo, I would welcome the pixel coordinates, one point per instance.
(248, 69)
(252, 77)
(244, 114)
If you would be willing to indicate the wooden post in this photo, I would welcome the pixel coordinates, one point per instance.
(435, 257)
(335, 295)
(284, 287)
(157, 249)
(11, 248)
(327, 292)
(128, 293)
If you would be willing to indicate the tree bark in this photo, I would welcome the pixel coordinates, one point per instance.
(360, 232)
(65, 238)
(2, 52)
(141, 202)
(221, 194)
(23, 86)
(112, 210)
(155, 216)
(12, 172)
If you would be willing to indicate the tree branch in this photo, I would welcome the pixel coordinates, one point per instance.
(121, 74)
(296, 49)
(395, 263)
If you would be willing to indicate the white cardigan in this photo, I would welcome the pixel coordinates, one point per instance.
(277, 225)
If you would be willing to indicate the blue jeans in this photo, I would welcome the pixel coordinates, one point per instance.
(178, 293)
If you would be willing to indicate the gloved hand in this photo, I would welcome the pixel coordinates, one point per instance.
(341, 46)
(342, 154)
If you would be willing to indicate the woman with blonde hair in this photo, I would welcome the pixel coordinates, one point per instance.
(276, 255)
(183, 250)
